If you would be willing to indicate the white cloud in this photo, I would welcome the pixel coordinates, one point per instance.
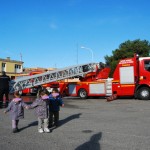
(53, 26)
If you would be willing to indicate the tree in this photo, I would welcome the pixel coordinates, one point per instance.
(127, 50)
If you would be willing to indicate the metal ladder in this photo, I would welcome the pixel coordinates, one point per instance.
(52, 76)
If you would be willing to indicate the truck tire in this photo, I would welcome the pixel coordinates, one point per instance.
(143, 93)
(82, 94)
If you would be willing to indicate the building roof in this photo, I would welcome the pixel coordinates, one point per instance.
(9, 60)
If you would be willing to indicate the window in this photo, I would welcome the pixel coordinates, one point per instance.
(18, 68)
(3, 66)
(147, 65)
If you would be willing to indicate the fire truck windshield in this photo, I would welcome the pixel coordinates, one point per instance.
(147, 65)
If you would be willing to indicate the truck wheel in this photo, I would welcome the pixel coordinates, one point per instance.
(82, 93)
(143, 93)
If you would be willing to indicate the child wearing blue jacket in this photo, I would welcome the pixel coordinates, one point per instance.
(55, 101)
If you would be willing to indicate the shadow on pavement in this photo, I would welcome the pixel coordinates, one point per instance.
(92, 144)
(35, 123)
(64, 121)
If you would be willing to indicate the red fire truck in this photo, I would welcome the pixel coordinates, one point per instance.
(131, 78)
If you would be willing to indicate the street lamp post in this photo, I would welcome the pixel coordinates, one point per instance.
(89, 50)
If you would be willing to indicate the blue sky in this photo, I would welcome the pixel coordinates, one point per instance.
(50, 33)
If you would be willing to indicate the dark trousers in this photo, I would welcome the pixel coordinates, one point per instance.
(2, 93)
(53, 118)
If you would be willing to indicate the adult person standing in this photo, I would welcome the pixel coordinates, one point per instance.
(4, 88)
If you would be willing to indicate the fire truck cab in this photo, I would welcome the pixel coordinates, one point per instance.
(132, 78)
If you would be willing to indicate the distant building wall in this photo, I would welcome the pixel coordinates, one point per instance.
(11, 67)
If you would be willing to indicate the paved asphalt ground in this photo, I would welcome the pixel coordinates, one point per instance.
(92, 124)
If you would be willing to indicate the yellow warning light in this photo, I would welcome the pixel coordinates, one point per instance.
(141, 77)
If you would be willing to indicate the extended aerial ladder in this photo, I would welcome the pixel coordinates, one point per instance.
(52, 76)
